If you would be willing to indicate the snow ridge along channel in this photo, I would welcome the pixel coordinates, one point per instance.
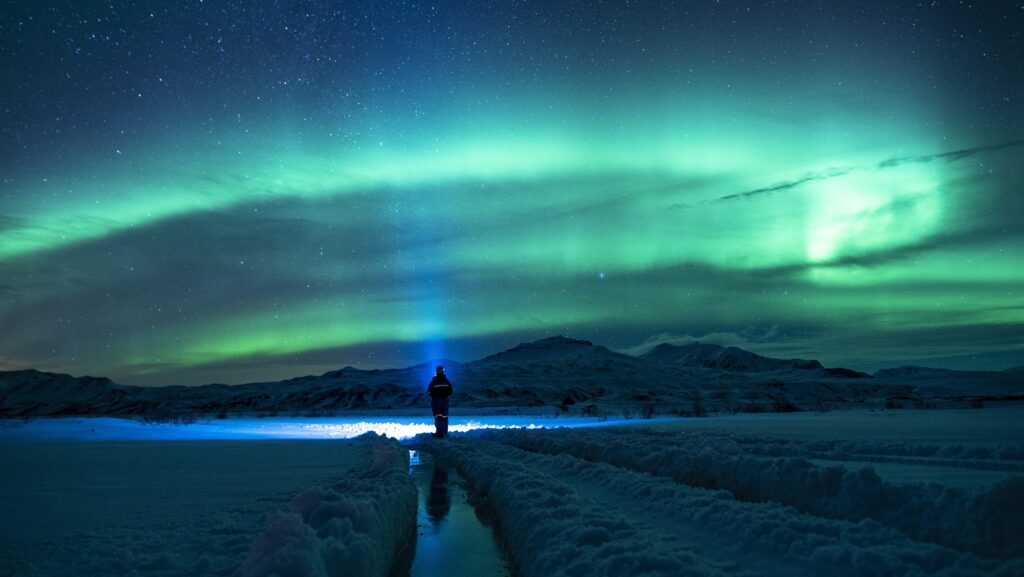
(562, 515)
(359, 525)
(987, 521)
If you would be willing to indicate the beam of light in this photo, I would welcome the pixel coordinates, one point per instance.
(109, 429)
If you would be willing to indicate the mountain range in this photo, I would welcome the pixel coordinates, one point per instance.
(570, 375)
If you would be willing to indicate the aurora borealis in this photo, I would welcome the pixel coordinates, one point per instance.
(221, 191)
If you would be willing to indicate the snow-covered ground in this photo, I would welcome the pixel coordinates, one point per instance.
(743, 495)
(212, 508)
(848, 493)
(397, 426)
(107, 496)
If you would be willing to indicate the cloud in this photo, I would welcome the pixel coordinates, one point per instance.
(9, 223)
(789, 184)
(747, 337)
(836, 172)
(881, 257)
(951, 156)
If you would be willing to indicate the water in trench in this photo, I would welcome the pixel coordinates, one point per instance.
(452, 540)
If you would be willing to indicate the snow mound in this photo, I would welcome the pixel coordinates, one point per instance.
(357, 526)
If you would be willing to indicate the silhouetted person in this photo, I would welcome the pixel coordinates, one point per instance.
(439, 389)
(439, 502)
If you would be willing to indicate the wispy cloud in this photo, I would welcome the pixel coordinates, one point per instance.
(903, 252)
(790, 184)
(836, 172)
(750, 336)
(950, 156)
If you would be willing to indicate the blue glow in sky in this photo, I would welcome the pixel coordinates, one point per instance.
(230, 192)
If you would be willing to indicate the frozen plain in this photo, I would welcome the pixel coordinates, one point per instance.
(903, 492)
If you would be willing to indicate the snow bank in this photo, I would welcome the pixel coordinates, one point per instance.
(552, 531)
(658, 527)
(154, 509)
(986, 522)
(1002, 458)
(356, 527)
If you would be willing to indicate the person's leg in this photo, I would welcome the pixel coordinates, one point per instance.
(444, 420)
(440, 417)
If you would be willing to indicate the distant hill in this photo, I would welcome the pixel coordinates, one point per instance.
(34, 392)
(710, 356)
(559, 372)
(550, 349)
(952, 382)
(916, 371)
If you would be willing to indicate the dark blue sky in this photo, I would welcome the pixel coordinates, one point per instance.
(219, 191)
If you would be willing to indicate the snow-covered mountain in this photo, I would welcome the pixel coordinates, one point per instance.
(928, 380)
(554, 349)
(34, 392)
(711, 356)
(571, 374)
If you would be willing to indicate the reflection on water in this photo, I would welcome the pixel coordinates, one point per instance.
(451, 539)
(439, 502)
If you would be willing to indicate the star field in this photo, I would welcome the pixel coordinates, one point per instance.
(227, 191)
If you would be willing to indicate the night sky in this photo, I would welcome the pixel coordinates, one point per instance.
(236, 191)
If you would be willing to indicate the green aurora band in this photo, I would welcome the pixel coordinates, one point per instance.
(852, 224)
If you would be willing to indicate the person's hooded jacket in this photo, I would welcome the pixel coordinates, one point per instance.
(439, 387)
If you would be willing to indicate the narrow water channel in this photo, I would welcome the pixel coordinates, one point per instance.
(451, 539)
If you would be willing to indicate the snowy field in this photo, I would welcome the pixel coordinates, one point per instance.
(210, 508)
(844, 493)
(107, 496)
(851, 493)
(395, 426)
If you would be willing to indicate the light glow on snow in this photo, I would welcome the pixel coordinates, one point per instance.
(109, 429)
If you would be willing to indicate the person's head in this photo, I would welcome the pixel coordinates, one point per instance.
(439, 370)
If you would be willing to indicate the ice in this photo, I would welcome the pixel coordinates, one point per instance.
(452, 539)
